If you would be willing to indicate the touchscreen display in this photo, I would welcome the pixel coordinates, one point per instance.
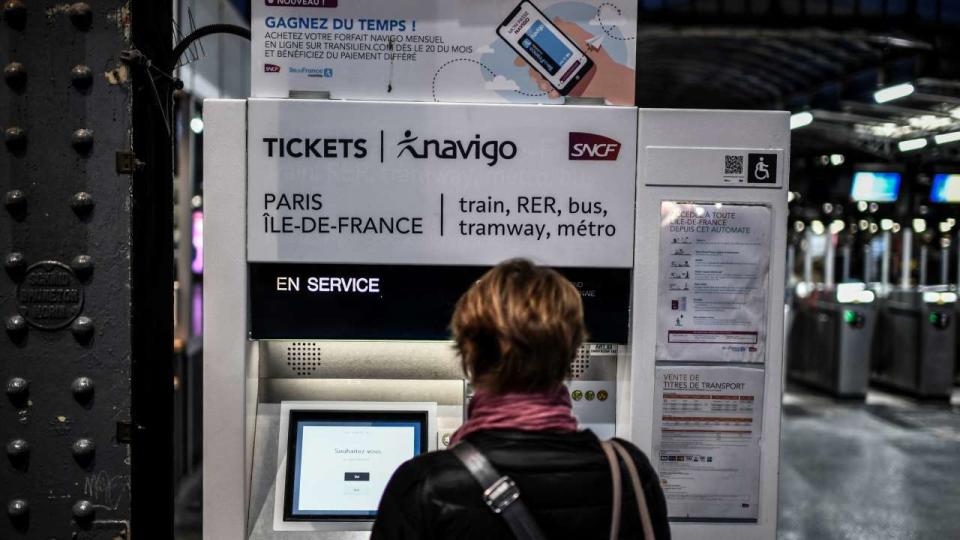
(338, 463)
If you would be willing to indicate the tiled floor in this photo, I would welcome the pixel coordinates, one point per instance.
(885, 469)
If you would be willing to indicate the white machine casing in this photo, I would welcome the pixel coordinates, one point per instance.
(680, 158)
(675, 152)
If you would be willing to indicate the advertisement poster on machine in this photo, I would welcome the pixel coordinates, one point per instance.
(713, 275)
(369, 217)
(499, 51)
(706, 440)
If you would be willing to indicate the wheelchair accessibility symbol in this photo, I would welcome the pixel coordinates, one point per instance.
(762, 169)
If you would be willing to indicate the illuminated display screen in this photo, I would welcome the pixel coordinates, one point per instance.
(338, 463)
(946, 188)
(875, 186)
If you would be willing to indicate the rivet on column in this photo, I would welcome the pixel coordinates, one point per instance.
(15, 265)
(18, 389)
(82, 203)
(15, 74)
(81, 15)
(18, 450)
(16, 139)
(15, 13)
(82, 328)
(83, 510)
(82, 141)
(82, 266)
(16, 203)
(83, 450)
(82, 389)
(18, 508)
(16, 326)
(81, 77)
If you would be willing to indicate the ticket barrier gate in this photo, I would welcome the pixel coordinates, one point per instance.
(915, 346)
(957, 367)
(830, 341)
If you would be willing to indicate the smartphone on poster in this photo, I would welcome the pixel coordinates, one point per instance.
(548, 50)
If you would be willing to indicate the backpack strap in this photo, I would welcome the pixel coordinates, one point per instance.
(638, 492)
(617, 488)
(500, 492)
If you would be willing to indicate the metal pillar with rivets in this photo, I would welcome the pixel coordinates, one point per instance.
(86, 284)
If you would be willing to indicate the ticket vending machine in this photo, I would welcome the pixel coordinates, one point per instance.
(340, 234)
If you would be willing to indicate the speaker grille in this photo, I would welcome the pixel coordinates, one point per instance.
(581, 363)
(303, 357)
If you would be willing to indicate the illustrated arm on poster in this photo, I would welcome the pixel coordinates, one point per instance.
(607, 79)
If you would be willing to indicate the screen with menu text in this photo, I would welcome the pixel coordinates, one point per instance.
(338, 463)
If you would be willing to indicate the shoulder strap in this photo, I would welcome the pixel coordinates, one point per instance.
(499, 492)
(617, 488)
(638, 492)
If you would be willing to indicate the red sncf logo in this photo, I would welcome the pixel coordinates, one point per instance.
(591, 147)
(271, 68)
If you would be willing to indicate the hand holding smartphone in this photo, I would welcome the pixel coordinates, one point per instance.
(548, 50)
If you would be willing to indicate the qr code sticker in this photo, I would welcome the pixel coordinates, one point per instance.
(733, 165)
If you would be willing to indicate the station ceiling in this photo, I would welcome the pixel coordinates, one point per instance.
(825, 57)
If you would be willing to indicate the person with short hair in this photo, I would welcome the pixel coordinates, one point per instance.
(517, 331)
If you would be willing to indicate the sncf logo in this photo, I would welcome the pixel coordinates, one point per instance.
(591, 147)
(271, 68)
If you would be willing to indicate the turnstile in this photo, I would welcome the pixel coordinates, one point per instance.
(915, 347)
(957, 352)
(830, 340)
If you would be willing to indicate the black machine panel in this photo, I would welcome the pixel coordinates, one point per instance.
(349, 301)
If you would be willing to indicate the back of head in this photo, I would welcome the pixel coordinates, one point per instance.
(518, 328)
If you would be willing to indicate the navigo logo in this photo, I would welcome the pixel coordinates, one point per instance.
(491, 151)
(591, 147)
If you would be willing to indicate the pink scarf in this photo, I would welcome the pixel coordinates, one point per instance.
(541, 411)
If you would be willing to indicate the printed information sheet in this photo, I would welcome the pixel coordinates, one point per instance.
(707, 427)
(714, 267)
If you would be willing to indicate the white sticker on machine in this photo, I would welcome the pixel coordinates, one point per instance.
(713, 276)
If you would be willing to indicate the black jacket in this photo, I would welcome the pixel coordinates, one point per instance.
(564, 479)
